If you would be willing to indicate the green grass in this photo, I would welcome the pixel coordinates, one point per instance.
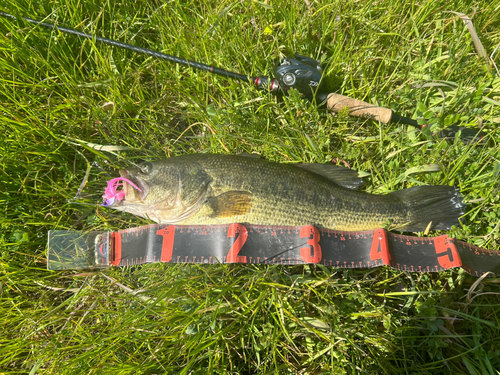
(240, 319)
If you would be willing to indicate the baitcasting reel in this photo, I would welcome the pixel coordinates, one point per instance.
(301, 73)
(296, 72)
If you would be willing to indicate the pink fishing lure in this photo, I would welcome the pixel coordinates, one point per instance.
(112, 194)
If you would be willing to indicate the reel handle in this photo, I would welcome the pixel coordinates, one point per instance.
(358, 108)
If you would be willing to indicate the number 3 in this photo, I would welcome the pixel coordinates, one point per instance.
(305, 252)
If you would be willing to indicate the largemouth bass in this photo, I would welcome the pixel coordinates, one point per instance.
(221, 189)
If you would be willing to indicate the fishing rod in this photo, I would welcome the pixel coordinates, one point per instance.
(296, 72)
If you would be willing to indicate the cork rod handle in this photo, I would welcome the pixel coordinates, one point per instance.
(358, 108)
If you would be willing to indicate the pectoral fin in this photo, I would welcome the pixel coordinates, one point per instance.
(231, 203)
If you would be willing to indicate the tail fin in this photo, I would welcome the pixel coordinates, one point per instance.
(441, 205)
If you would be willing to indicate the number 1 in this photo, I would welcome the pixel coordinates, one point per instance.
(167, 246)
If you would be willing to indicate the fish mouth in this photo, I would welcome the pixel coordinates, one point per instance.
(133, 195)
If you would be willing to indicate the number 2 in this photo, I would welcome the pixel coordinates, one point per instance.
(232, 256)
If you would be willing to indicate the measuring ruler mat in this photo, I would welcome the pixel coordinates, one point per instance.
(260, 244)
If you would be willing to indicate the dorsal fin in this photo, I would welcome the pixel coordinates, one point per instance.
(344, 177)
(247, 155)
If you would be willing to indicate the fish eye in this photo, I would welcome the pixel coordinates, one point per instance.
(146, 168)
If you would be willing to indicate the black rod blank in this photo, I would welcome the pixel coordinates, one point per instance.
(160, 55)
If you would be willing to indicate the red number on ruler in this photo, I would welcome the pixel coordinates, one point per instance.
(167, 246)
(305, 252)
(117, 248)
(447, 254)
(380, 249)
(232, 256)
